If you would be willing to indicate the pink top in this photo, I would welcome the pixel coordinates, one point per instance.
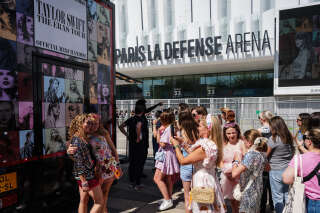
(165, 135)
(229, 151)
(309, 161)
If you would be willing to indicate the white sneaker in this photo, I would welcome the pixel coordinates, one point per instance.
(166, 204)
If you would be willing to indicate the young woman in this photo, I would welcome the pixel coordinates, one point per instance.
(166, 169)
(233, 145)
(303, 122)
(84, 166)
(310, 161)
(203, 156)
(186, 119)
(280, 152)
(264, 118)
(250, 170)
(105, 154)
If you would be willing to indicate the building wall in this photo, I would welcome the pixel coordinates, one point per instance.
(154, 21)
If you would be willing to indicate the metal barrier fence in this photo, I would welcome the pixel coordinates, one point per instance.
(246, 110)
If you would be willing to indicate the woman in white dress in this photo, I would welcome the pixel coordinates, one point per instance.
(203, 156)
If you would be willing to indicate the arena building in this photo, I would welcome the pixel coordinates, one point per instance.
(198, 49)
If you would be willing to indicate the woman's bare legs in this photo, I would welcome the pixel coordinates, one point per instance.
(83, 204)
(186, 189)
(158, 179)
(105, 191)
(235, 206)
(96, 194)
(169, 185)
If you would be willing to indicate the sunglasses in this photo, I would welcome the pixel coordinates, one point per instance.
(229, 125)
(298, 119)
(305, 137)
(194, 115)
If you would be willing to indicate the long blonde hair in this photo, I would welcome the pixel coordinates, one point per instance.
(76, 126)
(215, 135)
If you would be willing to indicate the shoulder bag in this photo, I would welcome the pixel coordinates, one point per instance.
(237, 193)
(296, 202)
(159, 156)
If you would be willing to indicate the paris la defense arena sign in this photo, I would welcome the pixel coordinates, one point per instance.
(61, 26)
(239, 43)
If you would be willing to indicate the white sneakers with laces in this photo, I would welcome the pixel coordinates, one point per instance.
(166, 204)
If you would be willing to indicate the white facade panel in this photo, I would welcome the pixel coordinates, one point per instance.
(228, 17)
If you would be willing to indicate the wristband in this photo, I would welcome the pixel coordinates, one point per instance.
(176, 146)
(235, 162)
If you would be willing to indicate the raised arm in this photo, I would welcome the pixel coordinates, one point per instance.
(121, 127)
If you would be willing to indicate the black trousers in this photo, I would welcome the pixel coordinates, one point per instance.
(136, 162)
(264, 197)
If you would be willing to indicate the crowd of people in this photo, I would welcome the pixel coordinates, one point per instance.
(210, 155)
(221, 169)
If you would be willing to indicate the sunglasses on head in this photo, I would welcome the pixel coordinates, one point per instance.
(305, 137)
(229, 125)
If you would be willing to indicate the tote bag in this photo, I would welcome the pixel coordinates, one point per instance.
(296, 202)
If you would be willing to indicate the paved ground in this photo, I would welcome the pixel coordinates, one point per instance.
(124, 199)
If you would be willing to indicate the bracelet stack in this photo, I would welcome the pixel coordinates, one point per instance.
(85, 184)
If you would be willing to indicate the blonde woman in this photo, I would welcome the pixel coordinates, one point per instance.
(106, 156)
(85, 164)
(264, 118)
(216, 136)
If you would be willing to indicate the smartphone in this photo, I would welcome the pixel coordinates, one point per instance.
(172, 130)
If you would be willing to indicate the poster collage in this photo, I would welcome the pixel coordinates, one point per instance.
(299, 47)
(63, 87)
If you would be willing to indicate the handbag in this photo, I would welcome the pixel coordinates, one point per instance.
(203, 195)
(296, 202)
(159, 156)
(237, 193)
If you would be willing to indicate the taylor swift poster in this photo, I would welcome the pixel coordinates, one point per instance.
(26, 144)
(103, 45)
(54, 90)
(26, 115)
(74, 91)
(8, 115)
(25, 29)
(8, 85)
(55, 140)
(24, 57)
(72, 110)
(54, 115)
(92, 50)
(93, 83)
(74, 74)
(8, 24)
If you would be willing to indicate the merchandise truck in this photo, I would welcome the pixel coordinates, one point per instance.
(56, 61)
